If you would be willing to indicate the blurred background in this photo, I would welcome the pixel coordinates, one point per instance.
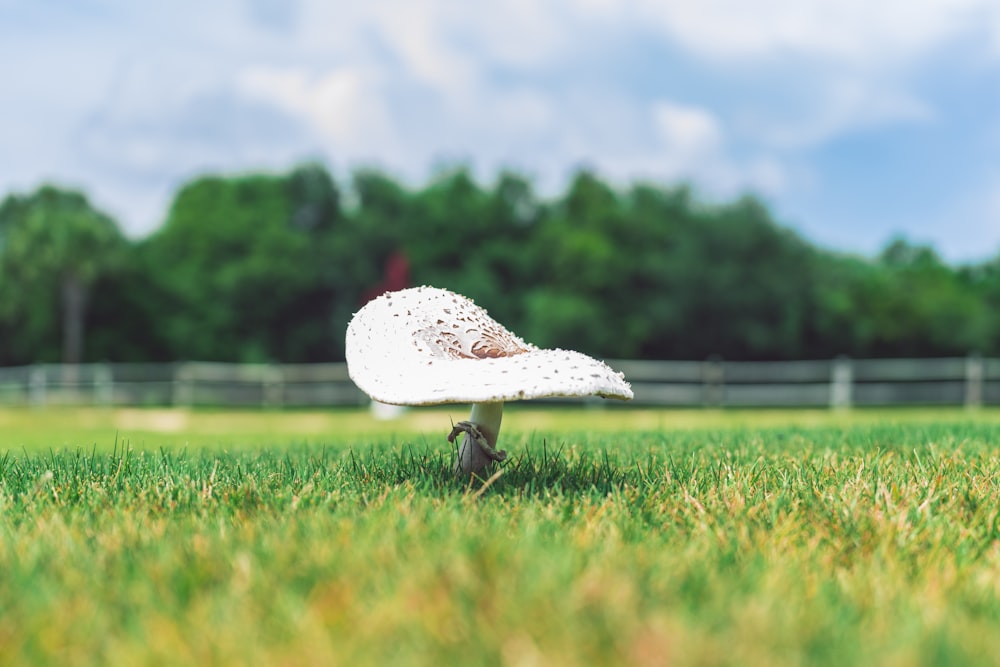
(757, 180)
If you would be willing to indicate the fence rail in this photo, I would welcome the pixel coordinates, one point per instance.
(834, 383)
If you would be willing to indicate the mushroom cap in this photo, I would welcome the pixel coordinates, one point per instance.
(427, 346)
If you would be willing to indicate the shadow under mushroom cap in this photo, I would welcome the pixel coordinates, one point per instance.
(427, 346)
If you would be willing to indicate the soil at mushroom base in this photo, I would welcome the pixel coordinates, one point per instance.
(430, 346)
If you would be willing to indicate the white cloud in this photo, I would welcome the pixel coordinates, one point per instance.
(344, 105)
(694, 146)
(838, 106)
(860, 32)
(422, 35)
(731, 94)
(690, 144)
(686, 131)
(846, 64)
(520, 33)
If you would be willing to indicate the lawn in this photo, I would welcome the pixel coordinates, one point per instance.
(610, 537)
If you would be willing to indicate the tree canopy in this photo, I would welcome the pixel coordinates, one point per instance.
(270, 267)
(54, 247)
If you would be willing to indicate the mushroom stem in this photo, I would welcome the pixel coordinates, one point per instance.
(474, 455)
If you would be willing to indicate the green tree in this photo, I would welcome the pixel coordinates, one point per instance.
(242, 267)
(377, 227)
(467, 238)
(581, 272)
(906, 302)
(983, 280)
(272, 266)
(54, 247)
(725, 280)
(654, 274)
(926, 308)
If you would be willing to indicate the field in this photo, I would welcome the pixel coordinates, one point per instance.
(615, 537)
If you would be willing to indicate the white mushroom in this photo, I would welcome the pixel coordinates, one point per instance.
(428, 346)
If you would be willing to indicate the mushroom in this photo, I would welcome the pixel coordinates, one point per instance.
(429, 346)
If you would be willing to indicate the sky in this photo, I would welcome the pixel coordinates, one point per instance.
(857, 122)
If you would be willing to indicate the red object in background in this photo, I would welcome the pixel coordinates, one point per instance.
(395, 277)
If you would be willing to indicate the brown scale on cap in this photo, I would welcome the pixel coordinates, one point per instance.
(470, 343)
(471, 334)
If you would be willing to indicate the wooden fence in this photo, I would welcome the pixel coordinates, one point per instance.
(835, 383)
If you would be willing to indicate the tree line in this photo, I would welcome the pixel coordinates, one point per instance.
(270, 267)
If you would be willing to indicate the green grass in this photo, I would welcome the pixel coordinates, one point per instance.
(611, 537)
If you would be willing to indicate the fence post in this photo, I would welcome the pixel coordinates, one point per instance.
(104, 387)
(974, 381)
(37, 393)
(182, 385)
(841, 383)
(712, 377)
(274, 386)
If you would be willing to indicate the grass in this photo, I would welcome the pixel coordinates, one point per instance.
(611, 537)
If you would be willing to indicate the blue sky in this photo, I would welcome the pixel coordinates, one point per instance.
(856, 121)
